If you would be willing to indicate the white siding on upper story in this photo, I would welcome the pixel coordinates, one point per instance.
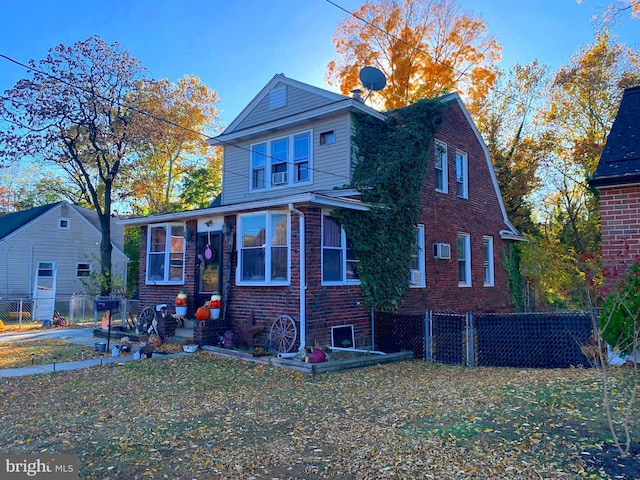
(43, 241)
(297, 101)
(331, 164)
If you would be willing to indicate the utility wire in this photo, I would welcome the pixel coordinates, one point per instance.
(160, 119)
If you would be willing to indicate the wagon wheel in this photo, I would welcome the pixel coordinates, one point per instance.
(283, 333)
(145, 319)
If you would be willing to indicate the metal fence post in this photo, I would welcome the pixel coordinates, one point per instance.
(470, 333)
(427, 337)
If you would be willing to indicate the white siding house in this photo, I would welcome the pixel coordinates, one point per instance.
(53, 246)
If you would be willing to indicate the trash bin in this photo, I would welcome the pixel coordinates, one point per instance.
(101, 347)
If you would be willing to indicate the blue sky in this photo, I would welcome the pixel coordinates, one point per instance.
(236, 46)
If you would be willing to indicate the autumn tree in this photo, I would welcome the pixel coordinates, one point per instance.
(180, 116)
(76, 110)
(617, 10)
(507, 123)
(424, 48)
(582, 105)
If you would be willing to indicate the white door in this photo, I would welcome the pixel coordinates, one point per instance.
(44, 291)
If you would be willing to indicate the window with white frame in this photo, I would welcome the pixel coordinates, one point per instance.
(83, 270)
(281, 162)
(441, 170)
(417, 273)
(487, 253)
(165, 254)
(258, 166)
(464, 260)
(264, 248)
(339, 264)
(46, 269)
(462, 175)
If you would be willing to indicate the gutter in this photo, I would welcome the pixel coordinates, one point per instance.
(302, 281)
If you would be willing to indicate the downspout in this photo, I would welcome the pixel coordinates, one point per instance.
(303, 281)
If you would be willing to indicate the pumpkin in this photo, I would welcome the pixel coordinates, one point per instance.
(203, 313)
(181, 299)
(154, 341)
(216, 301)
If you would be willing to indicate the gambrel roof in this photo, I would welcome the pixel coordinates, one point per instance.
(620, 160)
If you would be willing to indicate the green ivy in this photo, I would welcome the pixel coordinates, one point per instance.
(515, 284)
(390, 163)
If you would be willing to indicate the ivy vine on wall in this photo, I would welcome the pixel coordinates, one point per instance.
(390, 163)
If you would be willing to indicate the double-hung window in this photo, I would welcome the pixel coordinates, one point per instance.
(462, 175)
(417, 273)
(487, 253)
(441, 171)
(264, 248)
(464, 260)
(165, 254)
(301, 153)
(339, 264)
(83, 270)
(281, 162)
(258, 166)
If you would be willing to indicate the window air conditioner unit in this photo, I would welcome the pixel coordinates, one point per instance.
(278, 178)
(442, 251)
(416, 277)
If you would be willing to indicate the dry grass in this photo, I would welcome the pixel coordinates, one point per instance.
(200, 417)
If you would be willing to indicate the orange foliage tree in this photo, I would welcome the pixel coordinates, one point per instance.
(181, 115)
(424, 48)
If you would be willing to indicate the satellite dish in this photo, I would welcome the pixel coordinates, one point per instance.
(372, 79)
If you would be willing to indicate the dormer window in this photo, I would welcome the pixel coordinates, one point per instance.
(281, 162)
(277, 98)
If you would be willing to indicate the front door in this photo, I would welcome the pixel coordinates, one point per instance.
(209, 266)
(44, 292)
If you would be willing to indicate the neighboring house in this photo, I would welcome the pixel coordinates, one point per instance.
(617, 179)
(47, 251)
(271, 247)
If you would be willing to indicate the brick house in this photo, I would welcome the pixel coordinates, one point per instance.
(617, 179)
(271, 248)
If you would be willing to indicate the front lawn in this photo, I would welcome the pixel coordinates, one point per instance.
(201, 417)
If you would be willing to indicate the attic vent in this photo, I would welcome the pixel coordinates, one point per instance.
(277, 97)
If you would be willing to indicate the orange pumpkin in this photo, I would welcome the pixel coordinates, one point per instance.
(203, 313)
(154, 341)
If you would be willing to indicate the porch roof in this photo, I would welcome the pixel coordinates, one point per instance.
(332, 198)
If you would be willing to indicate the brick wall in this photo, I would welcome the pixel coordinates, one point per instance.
(445, 215)
(151, 295)
(620, 230)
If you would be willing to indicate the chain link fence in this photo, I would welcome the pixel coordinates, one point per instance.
(77, 309)
(523, 340)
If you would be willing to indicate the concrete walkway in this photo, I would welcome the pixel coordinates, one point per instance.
(81, 336)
